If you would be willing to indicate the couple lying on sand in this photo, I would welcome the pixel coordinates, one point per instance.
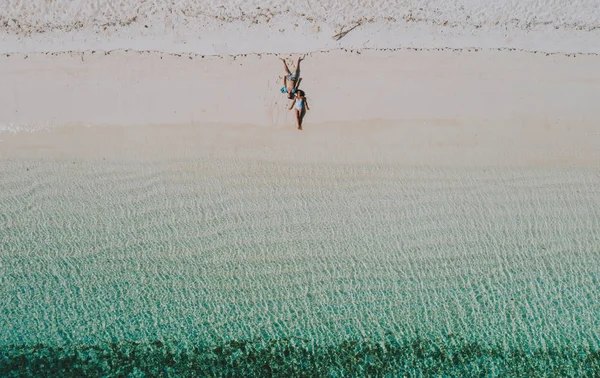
(291, 82)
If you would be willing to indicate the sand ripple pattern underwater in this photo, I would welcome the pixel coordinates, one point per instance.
(257, 268)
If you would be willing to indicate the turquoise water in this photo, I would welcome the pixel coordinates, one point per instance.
(231, 266)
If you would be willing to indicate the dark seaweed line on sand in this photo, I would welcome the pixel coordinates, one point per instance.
(452, 356)
(82, 54)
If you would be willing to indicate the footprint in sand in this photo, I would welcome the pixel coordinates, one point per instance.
(275, 105)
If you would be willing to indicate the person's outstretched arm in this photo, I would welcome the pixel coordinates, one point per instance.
(306, 103)
(292, 104)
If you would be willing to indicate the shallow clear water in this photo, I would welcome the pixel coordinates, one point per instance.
(214, 253)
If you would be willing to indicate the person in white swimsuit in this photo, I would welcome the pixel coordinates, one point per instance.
(300, 105)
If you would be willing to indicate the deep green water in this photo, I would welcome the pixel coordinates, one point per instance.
(450, 356)
(252, 268)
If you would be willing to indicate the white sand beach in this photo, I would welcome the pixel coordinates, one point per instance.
(154, 187)
(238, 26)
(409, 107)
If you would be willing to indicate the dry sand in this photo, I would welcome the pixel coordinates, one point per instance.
(439, 108)
(439, 83)
(250, 26)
